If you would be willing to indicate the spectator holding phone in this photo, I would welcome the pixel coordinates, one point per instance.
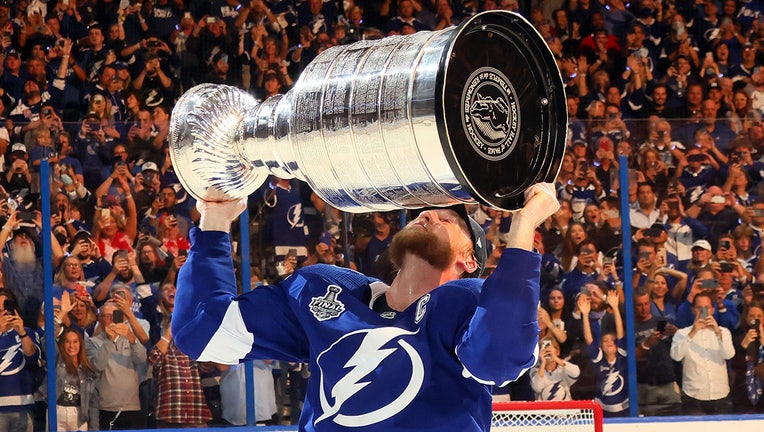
(70, 278)
(707, 282)
(656, 381)
(20, 349)
(552, 378)
(748, 363)
(696, 173)
(586, 270)
(116, 354)
(704, 348)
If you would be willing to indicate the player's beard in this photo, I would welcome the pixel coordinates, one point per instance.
(23, 256)
(424, 244)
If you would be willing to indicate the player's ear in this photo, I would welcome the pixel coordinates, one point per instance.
(468, 264)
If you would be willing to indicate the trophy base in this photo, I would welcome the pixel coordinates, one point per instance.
(503, 122)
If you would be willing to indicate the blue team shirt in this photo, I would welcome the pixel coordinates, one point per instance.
(427, 368)
(612, 383)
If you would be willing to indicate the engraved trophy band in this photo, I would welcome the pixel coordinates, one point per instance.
(475, 113)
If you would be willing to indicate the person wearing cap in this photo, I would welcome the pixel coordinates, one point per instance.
(18, 175)
(12, 80)
(146, 186)
(701, 256)
(94, 267)
(718, 211)
(430, 342)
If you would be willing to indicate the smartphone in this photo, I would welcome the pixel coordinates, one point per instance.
(757, 288)
(118, 317)
(292, 253)
(709, 284)
(182, 252)
(755, 324)
(10, 307)
(583, 166)
(607, 261)
(661, 326)
(187, 15)
(210, 20)
(703, 312)
(673, 205)
(105, 212)
(644, 255)
(81, 289)
(725, 244)
(122, 253)
(726, 267)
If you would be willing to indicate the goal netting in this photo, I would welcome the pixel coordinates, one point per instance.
(543, 416)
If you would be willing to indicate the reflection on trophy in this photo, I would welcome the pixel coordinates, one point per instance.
(475, 113)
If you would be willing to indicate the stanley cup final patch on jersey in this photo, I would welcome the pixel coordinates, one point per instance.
(327, 307)
(490, 113)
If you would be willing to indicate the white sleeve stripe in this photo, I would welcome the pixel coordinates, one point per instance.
(232, 341)
(467, 374)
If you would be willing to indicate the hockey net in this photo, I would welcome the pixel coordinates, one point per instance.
(542, 416)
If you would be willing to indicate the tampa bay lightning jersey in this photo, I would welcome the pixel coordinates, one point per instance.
(426, 368)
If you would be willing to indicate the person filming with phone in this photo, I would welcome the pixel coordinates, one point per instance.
(707, 281)
(20, 351)
(704, 348)
(116, 354)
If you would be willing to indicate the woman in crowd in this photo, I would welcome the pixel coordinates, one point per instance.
(665, 300)
(101, 107)
(573, 237)
(76, 397)
(169, 234)
(115, 229)
(742, 115)
(567, 171)
(181, 401)
(748, 363)
(552, 378)
(70, 278)
(561, 320)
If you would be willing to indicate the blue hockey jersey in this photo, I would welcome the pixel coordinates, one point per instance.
(426, 368)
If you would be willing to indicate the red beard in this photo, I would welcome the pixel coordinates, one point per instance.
(424, 244)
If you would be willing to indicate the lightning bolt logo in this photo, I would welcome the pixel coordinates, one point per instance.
(294, 216)
(613, 383)
(366, 359)
(7, 360)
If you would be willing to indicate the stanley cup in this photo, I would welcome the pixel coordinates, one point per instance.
(474, 113)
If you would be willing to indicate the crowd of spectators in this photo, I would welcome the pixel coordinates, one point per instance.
(675, 87)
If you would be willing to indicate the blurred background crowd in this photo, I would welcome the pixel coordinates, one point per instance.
(676, 88)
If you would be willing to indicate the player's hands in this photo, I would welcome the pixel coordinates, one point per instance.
(217, 216)
(540, 203)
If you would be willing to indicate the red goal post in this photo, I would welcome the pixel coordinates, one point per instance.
(541, 416)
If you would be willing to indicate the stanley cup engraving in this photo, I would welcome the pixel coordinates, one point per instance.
(475, 113)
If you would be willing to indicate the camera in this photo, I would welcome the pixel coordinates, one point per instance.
(153, 44)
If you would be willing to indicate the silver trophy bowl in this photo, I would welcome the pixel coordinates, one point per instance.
(474, 113)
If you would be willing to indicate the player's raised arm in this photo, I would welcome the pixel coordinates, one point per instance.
(501, 340)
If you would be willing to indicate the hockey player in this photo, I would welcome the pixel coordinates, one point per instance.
(417, 355)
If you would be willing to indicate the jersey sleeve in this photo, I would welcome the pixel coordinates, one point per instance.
(211, 323)
(501, 341)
